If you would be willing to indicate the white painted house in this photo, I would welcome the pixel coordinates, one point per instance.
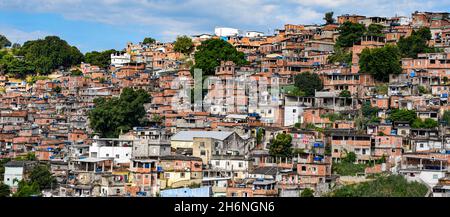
(15, 171)
(118, 149)
(119, 60)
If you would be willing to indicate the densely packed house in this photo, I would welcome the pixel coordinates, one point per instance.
(224, 150)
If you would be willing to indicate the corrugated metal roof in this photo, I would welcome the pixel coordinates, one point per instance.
(190, 135)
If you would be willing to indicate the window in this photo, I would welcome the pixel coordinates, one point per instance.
(294, 110)
(202, 145)
(117, 156)
(202, 152)
(107, 155)
(435, 176)
(217, 163)
(182, 175)
(241, 164)
(303, 168)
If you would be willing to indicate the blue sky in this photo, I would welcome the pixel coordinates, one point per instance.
(105, 24)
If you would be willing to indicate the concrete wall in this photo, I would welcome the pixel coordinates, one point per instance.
(12, 173)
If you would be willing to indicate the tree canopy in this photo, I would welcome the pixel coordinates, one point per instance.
(148, 40)
(15, 67)
(308, 192)
(403, 115)
(42, 177)
(308, 83)
(110, 117)
(281, 146)
(329, 18)
(390, 186)
(340, 56)
(27, 189)
(446, 117)
(4, 42)
(416, 43)
(50, 53)
(381, 62)
(345, 93)
(426, 124)
(212, 51)
(101, 59)
(184, 45)
(350, 34)
(4, 190)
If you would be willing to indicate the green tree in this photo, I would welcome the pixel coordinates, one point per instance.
(50, 53)
(110, 117)
(2, 167)
(4, 190)
(390, 186)
(345, 93)
(148, 40)
(42, 177)
(27, 189)
(427, 124)
(381, 62)
(403, 115)
(308, 192)
(350, 157)
(212, 51)
(16, 67)
(329, 18)
(259, 135)
(184, 45)
(4, 42)
(100, 59)
(382, 89)
(368, 110)
(375, 30)
(31, 156)
(76, 73)
(281, 146)
(416, 43)
(350, 34)
(446, 117)
(16, 46)
(340, 56)
(308, 83)
(348, 168)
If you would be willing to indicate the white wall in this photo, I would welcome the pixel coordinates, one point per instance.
(12, 173)
(120, 60)
(226, 32)
(291, 117)
(228, 165)
(124, 153)
(431, 177)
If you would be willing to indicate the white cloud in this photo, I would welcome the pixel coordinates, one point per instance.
(19, 36)
(172, 17)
